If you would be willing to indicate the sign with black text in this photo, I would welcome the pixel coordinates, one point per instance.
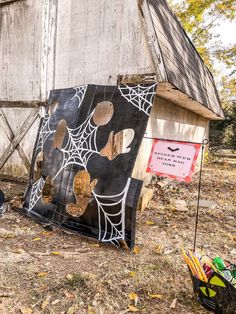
(172, 159)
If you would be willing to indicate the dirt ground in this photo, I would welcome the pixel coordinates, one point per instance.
(50, 271)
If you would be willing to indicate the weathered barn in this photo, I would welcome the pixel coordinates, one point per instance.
(51, 44)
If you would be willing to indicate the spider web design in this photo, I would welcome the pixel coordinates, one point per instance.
(81, 145)
(44, 133)
(79, 93)
(112, 231)
(139, 96)
(36, 193)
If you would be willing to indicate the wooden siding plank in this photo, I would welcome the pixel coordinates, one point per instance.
(48, 47)
(20, 50)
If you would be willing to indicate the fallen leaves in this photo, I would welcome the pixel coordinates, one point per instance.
(6, 234)
(155, 296)
(132, 274)
(173, 304)
(69, 295)
(133, 297)
(159, 249)
(71, 310)
(42, 274)
(26, 310)
(133, 308)
(91, 310)
(16, 202)
(46, 302)
(56, 302)
(46, 234)
(36, 239)
(136, 250)
(55, 253)
(150, 222)
(18, 251)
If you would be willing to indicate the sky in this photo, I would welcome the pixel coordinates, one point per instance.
(227, 31)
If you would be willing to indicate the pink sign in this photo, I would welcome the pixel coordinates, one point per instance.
(175, 160)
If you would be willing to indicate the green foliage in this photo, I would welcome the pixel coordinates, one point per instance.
(199, 19)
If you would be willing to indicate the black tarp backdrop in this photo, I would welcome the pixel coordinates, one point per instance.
(93, 116)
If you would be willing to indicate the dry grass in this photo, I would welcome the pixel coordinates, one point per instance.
(64, 273)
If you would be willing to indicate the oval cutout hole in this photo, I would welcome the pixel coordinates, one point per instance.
(60, 134)
(103, 113)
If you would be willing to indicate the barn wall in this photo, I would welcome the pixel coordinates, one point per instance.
(97, 41)
(20, 50)
(46, 44)
(168, 121)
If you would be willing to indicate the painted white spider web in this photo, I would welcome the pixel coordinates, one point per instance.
(44, 133)
(112, 232)
(81, 145)
(36, 193)
(139, 96)
(79, 93)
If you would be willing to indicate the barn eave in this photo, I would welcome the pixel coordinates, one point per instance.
(168, 91)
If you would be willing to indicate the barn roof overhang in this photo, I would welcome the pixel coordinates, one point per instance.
(185, 79)
(171, 93)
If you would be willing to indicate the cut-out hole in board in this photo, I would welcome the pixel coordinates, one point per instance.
(118, 144)
(48, 192)
(60, 134)
(38, 166)
(103, 113)
(82, 190)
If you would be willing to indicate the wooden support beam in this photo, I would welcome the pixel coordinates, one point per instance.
(22, 104)
(3, 2)
(10, 135)
(18, 137)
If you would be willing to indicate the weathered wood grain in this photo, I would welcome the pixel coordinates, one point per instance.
(20, 50)
(98, 40)
(152, 40)
(10, 135)
(174, 95)
(4, 2)
(184, 67)
(18, 137)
